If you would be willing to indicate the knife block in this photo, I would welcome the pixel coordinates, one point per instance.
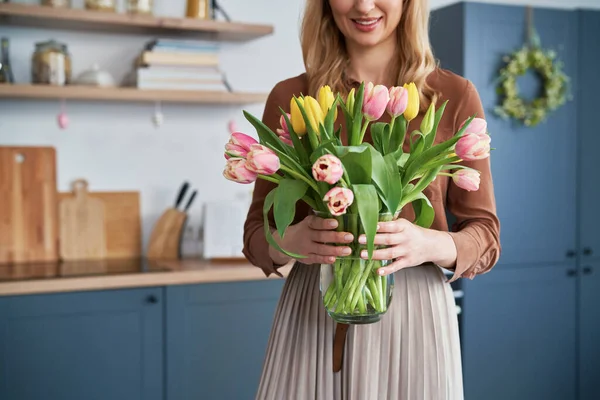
(165, 239)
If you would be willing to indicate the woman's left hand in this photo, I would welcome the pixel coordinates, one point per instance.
(410, 245)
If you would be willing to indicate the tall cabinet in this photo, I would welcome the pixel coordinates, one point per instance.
(530, 326)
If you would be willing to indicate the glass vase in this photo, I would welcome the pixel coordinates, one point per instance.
(351, 289)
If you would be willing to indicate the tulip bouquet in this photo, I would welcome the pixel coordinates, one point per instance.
(358, 183)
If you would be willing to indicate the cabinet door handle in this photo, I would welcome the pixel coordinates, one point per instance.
(587, 270)
(572, 272)
(151, 299)
(587, 251)
(571, 253)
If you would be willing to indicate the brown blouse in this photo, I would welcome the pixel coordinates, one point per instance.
(476, 232)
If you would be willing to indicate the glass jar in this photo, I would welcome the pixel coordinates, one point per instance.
(140, 6)
(351, 289)
(101, 5)
(199, 9)
(57, 3)
(51, 64)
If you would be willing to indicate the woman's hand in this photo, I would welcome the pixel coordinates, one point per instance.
(410, 245)
(308, 238)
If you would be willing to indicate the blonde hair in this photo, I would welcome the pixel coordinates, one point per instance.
(326, 59)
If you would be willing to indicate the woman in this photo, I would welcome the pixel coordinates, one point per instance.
(413, 352)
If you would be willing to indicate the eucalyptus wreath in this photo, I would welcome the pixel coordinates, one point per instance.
(555, 84)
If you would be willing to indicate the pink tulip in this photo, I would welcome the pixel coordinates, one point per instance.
(327, 168)
(243, 140)
(283, 131)
(473, 146)
(375, 101)
(236, 170)
(467, 179)
(262, 160)
(398, 101)
(234, 151)
(286, 140)
(477, 125)
(338, 200)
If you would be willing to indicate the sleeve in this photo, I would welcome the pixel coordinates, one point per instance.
(476, 232)
(256, 247)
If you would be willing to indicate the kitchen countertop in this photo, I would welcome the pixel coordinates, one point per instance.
(39, 278)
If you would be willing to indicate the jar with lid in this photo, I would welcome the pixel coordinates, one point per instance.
(51, 64)
(57, 3)
(101, 5)
(140, 6)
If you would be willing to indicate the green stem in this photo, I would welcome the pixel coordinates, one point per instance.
(301, 177)
(269, 178)
(363, 131)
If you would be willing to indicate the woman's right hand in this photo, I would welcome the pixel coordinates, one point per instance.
(308, 238)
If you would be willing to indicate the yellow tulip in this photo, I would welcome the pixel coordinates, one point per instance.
(326, 99)
(350, 102)
(412, 110)
(313, 112)
(296, 118)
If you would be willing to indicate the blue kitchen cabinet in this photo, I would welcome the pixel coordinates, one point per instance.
(589, 166)
(86, 345)
(534, 168)
(519, 334)
(530, 326)
(589, 296)
(216, 338)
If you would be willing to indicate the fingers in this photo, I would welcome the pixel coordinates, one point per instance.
(388, 239)
(397, 265)
(396, 226)
(389, 253)
(331, 237)
(321, 224)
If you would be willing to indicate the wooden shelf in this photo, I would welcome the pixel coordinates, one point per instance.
(109, 22)
(126, 94)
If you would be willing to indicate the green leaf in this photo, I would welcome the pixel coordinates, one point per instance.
(357, 118)
(267, 228)
(327, 147)
(357, 162)
(413, 165)
(394, 195)
(397, 135)
(286, 197)
(299, 148)
(387, 179)
(267, 136)
(329, 118)
(430, 139)
(424, 211)
(378, 133)
(410, 195)
(366, 200)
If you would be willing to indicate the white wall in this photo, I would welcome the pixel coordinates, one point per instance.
(116, 147)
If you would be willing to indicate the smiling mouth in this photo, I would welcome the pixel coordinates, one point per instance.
(366, 21)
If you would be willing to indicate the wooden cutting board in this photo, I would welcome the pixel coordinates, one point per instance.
(122, 222)
(82, 227)
(28, 207)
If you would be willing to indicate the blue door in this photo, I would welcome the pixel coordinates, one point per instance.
(88, 345)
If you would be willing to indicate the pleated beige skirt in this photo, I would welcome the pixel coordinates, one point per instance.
(412, 353)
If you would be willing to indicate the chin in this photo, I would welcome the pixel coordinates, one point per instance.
(367, 40)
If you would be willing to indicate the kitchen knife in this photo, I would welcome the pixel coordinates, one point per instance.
(181, 194)
(189, 203)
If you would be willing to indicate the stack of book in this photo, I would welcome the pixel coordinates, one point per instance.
(178, 65)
